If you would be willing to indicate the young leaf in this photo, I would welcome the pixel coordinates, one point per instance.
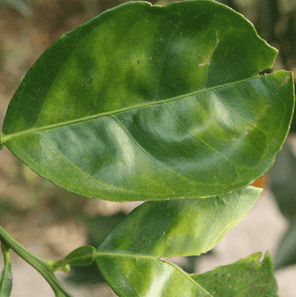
(147, 102)
(131, 256)
(82, 256)
(246, 277)
(6, 276)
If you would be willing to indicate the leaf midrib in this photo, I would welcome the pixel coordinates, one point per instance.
(7, 137)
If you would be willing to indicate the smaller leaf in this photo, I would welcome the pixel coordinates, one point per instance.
(180, 227)
(83, 256)
(246, 277)
(98, 228)
(6, 276)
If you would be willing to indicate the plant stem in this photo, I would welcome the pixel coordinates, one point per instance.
(41, 265)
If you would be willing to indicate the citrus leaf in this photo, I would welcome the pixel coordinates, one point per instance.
(147, 102)
(131, 258)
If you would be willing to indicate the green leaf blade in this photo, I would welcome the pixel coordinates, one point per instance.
(180, 227)
(147, 103)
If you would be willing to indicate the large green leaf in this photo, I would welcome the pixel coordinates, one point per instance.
(146, 102)
(131, 256)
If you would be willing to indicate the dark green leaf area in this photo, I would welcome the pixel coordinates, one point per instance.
(286, 253)
(282, 184)
(146, 102)
(131, 257)
(282, 181)
(82, 256)
(247, 277)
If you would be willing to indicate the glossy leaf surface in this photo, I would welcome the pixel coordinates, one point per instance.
(131, 257)
(146, 102)
(246, 277)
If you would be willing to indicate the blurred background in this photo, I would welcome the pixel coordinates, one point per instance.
(52, 222)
